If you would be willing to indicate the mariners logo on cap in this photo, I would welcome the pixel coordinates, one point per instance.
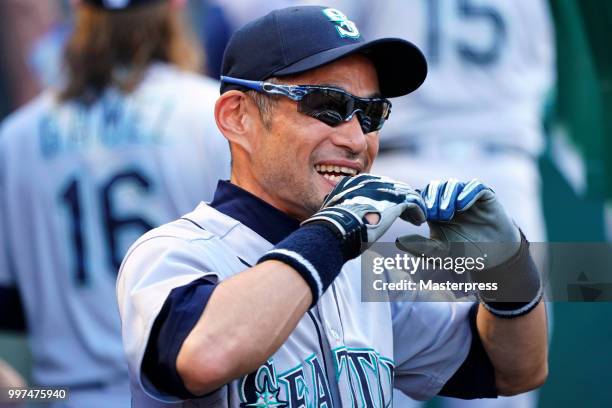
(344, 26)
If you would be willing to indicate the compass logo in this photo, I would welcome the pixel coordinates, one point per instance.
(344, 26)
(259, 389)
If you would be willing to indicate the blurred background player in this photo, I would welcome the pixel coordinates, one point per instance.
(128, 142)
(480, 112)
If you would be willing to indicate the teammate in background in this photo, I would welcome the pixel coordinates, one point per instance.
(480, 113)
(128, 143)
(255, 298)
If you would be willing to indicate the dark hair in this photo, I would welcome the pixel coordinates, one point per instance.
(116, 47)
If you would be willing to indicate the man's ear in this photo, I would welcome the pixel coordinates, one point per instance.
(235, 119)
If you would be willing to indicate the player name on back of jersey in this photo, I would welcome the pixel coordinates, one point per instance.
(111, 122)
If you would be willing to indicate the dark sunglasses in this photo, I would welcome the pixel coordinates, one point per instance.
(331, 106)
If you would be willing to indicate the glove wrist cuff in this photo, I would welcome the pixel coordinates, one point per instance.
(314, 252)
(346, 227)
(518, 281)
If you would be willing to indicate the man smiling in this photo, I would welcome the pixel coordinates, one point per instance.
(296, 161)
(254, 300)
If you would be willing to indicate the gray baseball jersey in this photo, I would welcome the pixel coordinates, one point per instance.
(78, 185)
(343, 352)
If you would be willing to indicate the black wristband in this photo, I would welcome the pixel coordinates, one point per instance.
(314, 252)
(519, 287)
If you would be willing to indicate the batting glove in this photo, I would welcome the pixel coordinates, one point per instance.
(463, 212)
(470, 213)
(345, 208)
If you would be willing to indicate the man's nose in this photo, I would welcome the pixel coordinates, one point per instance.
(350, 136)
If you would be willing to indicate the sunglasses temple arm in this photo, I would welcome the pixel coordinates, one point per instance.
(255, 85)
(294, 92)
(291, 91)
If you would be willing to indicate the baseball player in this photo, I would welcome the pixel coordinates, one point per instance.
(127, 144)
(254, 300)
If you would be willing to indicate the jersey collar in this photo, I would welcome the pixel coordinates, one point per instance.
(266, 220)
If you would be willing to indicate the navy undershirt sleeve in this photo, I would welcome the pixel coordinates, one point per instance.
(476, 376)
(178, 316)
(12, 317)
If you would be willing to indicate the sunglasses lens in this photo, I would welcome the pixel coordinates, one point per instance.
(373, 114)
(334, 107)
(329, 106)
(366, 123)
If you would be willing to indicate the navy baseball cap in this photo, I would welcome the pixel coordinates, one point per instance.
(116, 5)
(297, 39)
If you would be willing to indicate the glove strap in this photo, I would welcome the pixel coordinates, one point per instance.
(347, 227)
(517, 277)
(314, 252)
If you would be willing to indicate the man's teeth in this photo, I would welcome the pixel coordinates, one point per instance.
(326, 168)
(333, 178)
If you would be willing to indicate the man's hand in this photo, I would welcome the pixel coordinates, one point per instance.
(470, 214)
(467, 213)
(348, 210)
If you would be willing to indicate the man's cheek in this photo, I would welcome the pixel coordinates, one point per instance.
(372, 152)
